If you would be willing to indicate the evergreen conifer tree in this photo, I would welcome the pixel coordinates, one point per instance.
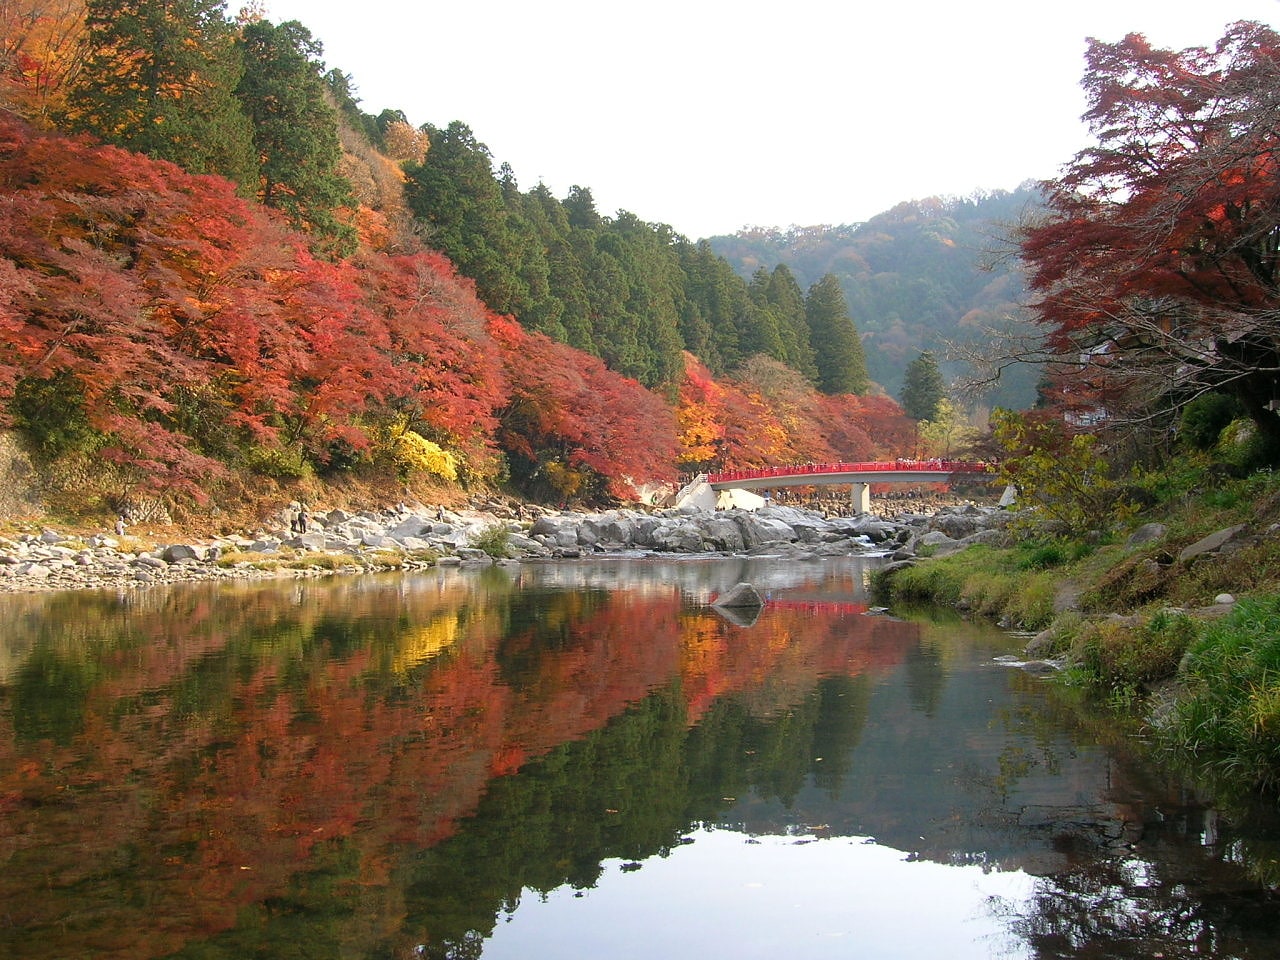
(295, 130)
(839, 355)
(923, 389)
(159, 78)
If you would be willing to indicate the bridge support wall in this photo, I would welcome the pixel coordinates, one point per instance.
(860, 497)
(739, 499)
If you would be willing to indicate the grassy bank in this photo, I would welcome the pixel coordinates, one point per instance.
(1138, 624)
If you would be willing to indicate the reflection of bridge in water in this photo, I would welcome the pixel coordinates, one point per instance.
(707, 489)
(816, 605)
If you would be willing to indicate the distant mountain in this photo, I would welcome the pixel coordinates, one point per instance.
(925, 275)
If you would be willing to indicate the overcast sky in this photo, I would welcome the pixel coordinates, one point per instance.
(711, 115)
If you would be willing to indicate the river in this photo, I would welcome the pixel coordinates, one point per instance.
(578, 760)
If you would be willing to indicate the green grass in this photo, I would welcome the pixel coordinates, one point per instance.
(1228, 717)
(1016, 585)
(1127, 658)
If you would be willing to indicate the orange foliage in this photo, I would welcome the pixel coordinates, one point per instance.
(40, 48)
(726, 425)
(569, 412)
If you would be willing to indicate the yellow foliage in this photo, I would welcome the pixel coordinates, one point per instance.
(424, 643)
(565, 480)
(416, 454)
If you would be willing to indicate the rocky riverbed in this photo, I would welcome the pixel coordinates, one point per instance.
(341, 541)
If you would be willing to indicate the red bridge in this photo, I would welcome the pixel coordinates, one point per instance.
(883, 471)
(858, 475)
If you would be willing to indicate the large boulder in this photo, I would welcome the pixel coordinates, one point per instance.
(957, 526)
(556, 531)
(642, 527)
(760, 531)
(1147, 533)
(1214, 543)
(865, 525)
(935, 543)
(738, 596)
(608, 528)
(410, 527)
(678, 535)
(721, 533)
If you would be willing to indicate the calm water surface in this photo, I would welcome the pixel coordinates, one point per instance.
(581, 761)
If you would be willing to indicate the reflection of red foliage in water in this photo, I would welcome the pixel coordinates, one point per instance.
(222, 803)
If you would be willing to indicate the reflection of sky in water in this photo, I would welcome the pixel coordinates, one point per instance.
(728, 895)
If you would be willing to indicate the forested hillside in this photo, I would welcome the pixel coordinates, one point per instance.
(920, 277)
(218, 274)
(635, 294)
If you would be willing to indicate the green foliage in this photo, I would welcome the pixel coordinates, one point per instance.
(923, 389)
(48, 694)
(1045, 556)
(493, 539)
(455, 195)
(158, 79)
(632, 293)
(1063, 478)
(1244, 448)
(913, 276)
(613, 288)
(1203, 419)
(295, 131)
(946, 433)
(841, 361)
(780, 302)
(1014, 585)
(279, 463)
(50, 414)
(1230, 715)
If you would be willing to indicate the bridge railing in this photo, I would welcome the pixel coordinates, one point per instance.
(819, 469)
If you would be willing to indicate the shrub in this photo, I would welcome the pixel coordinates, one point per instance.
(279, 463)
(1127, 656)
(492, 539)
(51, 414)
(415, 454)
(1064, 479)
(1205, 417)
(1043, 556)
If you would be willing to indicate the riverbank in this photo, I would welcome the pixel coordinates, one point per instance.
(418, 536)
(1176, 619)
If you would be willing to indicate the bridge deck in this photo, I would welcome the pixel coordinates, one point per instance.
(812, 474)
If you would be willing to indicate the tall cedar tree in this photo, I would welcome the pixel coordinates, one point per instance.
(785, 296)
(159, 79)
(1158, 270)
(841, 362)
(922, 388)
(455, 194)
(295, 132)
(764, 336)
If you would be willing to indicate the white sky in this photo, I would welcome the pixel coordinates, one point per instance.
(711, 115)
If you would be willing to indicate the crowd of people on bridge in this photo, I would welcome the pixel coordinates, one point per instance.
(935, 465)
